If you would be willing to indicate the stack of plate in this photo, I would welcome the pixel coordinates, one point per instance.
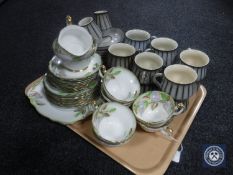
(68, 88)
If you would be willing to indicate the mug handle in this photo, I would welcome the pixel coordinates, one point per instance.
(149, 50)
(155, 81)
(179, 109)
(153, 37)
(102, 71)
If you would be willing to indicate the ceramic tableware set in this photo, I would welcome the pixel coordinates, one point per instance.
(100, 28)
(123, 91)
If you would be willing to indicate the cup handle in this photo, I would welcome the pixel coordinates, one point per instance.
(68, 20)
(149, 50)
(155, 81)
(179, 109)
(102, 71)
(152, 37)
(94, 45)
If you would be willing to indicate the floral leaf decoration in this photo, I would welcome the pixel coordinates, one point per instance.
(36, 98)
(79, 112)
(146, 104)
(147, 95)
(164, 96)
(96, 66)
(112, 73)
(92, 84)
(105, 111)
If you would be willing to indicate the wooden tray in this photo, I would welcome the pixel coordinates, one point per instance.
(146, 153)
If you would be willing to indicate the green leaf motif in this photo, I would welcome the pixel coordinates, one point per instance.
(76, 58)
(164, 97)
(116, 73)
(112, 110)
(146, 104)
(92, 84)
(78, 114)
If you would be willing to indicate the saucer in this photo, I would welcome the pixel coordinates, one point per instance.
(113, 123)
(111, 36)
(56, 67)
(55, 113)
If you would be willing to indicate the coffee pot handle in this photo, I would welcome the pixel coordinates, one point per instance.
(155, 81)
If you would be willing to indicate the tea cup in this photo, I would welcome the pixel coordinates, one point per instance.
(120, 85)
(179, 81)
(113, 124)
(120, 54)
(73, 44)
(147, 66)
(166, 48)
(196, 59)
(154, 109)
(89, 24)
(138, 38)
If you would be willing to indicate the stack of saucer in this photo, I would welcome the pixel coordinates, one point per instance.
(72, 79)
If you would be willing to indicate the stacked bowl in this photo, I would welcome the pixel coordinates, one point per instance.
(119, 85)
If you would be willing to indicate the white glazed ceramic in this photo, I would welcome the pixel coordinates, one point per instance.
(166, 48)
(155, 108)
(164, 44)
(111, 36)
(146, 66)
(179, 81)
(196, 59)
(120, 55)
(137, 35)
(113, 123)
(53, 112)
(61, 93)
(75, 40)
(86, 69)
(138, 38)
(121, 85)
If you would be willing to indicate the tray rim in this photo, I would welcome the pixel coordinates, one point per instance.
(166, 163)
